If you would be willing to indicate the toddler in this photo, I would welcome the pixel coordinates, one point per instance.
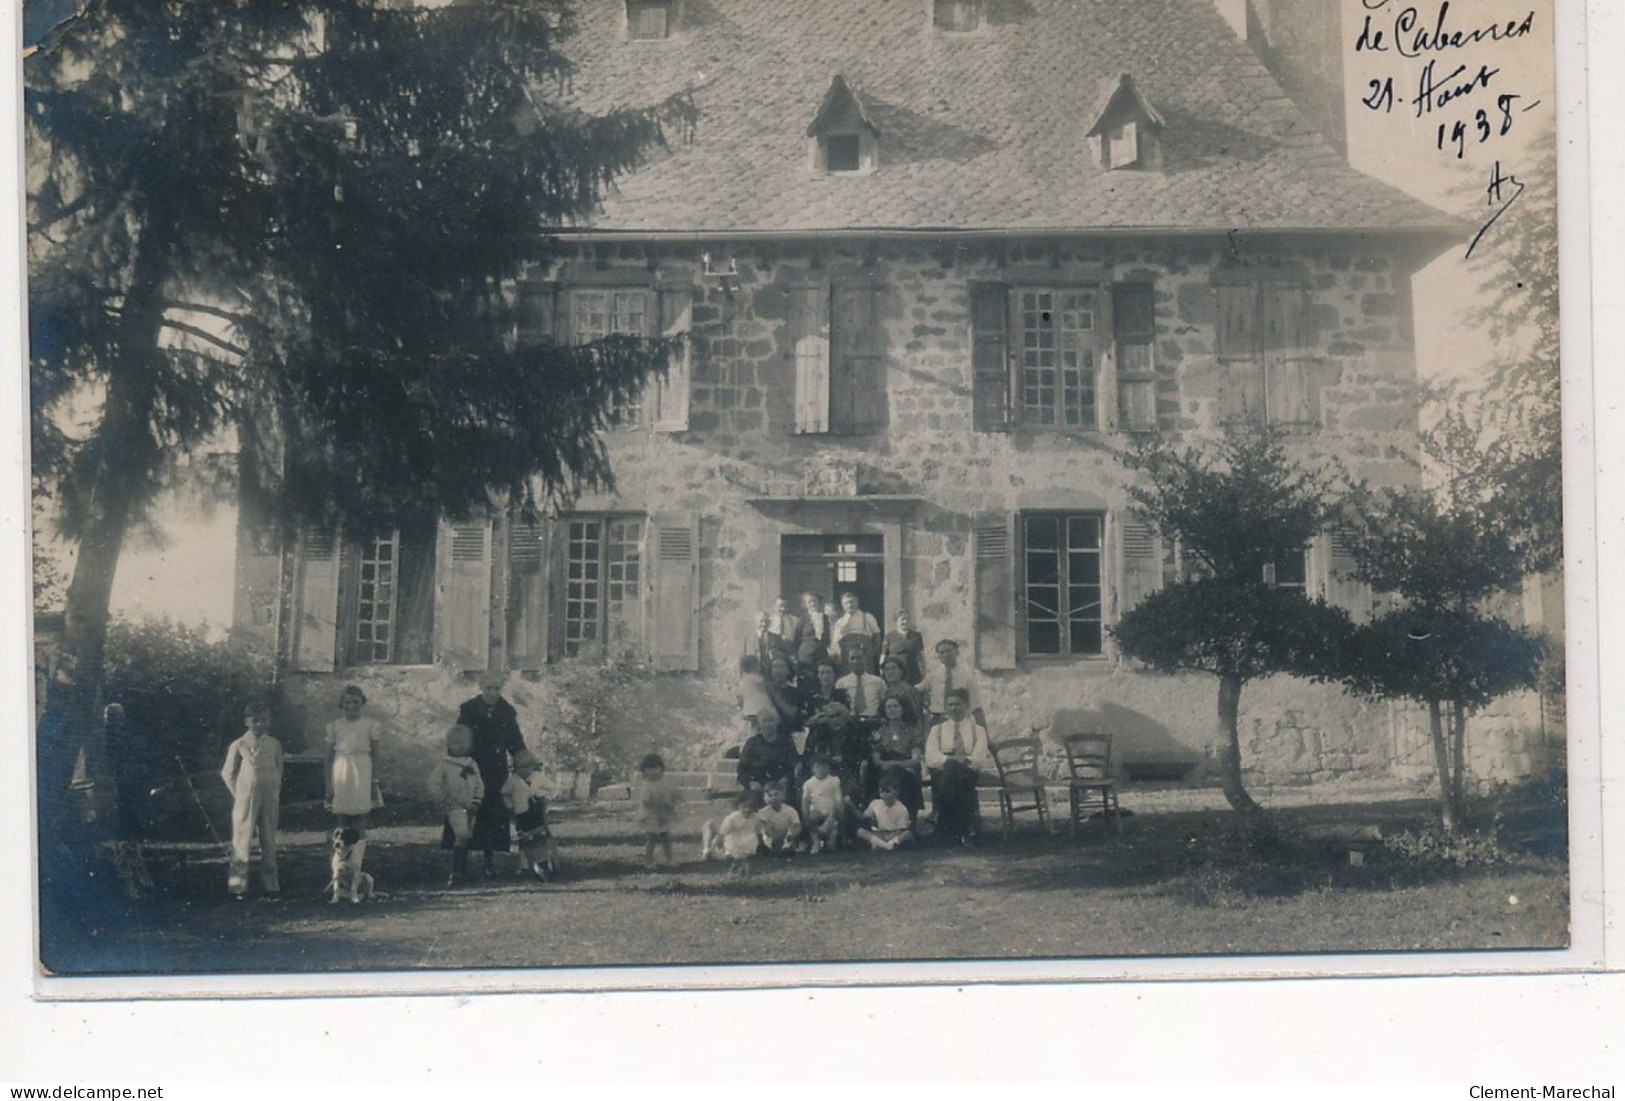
(821, 799)
(778, 824)
(886, 821)
(657, 799)
(737, 837)
(456, 788)
(522, 795)
(253, 772)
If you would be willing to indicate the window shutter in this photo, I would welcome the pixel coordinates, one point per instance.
(857, 389)
(1289, 370)
(1135, 326)
(670, 399)
(1342, 589)
(1237, 329)
(538, 314)
(674, 597)
(315, 635)
(995, 580)
(990, 357)
(463, 594)
(1142, 563)
(530, 574)
(809, 342)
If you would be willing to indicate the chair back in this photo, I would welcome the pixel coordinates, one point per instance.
(1088, 757)
(1017, 759)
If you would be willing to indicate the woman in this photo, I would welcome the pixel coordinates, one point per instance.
(915, 706)
(812, 633)
(896, 753)
(496, 737)
(908, 645)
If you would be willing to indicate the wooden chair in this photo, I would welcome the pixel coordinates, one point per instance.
(1089, 779)
(1021, 782)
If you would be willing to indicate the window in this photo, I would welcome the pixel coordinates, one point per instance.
(843, 136)
(649, 19)
(579, 315)
(1290, 571)
(956, 16)
(1062, 583)
(842, 152)
(389, 611)
(1265, 349)
(836, 341)
(603, 607)
(1036, 356)
(1134, 317)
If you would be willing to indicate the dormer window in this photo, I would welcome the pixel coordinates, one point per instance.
(957, 16)
(649, 20)
(844, 140)
(1127, 130)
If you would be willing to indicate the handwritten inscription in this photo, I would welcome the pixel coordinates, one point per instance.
(1501, 193)
(1409, 36)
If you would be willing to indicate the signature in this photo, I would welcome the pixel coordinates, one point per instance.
(1499, 186)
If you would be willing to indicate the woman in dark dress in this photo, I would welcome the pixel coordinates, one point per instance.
(496, 737)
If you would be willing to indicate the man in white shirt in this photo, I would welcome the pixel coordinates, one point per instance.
(783, 624)
(852, 627)
(864, 689)
(946, 677)
(955, 752)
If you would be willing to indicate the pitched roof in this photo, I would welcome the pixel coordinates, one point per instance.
(1122, 91)
(841, 108)
(981, 131)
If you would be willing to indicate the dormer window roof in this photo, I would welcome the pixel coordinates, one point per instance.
(958, 16)
(844, 138)
(1127, 129)
(650, 20)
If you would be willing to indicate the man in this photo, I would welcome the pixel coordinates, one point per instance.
(864, 689)
(764, 643)
(955, 752)
(784, 625)
(948, 676)
(496, 736)
(855, 626)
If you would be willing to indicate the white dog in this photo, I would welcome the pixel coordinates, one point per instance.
(348, 849)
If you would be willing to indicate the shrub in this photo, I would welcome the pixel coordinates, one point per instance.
(179, 689)
(1433, 845)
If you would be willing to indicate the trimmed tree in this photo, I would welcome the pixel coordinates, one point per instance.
(1447, 549)
(300, 220)
(1238, 510)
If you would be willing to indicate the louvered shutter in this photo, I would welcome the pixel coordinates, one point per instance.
(463, 594)
(1142, 563)
(670, 404)
(1342, 589)
(857, 388)
(990, 357)
(530, 608)
(993, 550)
(315, 634)
(809, 343)
(674, 593)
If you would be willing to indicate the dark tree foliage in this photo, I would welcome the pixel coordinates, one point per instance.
(1236, 507)
(300, 220)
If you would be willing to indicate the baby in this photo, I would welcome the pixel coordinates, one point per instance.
(455, 787)
(737, 837)
(524, 799)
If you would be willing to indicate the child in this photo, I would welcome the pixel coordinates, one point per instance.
(887, 820)
(456, 788)
(253, 772)
(821, 800)
(352, 744)
(657, 799)
(779, 825)
(737, 837)
(522, 795)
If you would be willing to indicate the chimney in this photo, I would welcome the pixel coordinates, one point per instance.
(1300, 42)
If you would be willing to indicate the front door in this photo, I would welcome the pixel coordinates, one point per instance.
(829, 565)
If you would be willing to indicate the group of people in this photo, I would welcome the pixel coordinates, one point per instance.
(849, 729)
(841, 694)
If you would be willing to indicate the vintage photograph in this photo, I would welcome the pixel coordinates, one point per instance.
(591, 484)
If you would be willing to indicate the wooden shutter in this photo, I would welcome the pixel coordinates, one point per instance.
(809, 343)
(1237, 330)
(674, 592)
(316, 605)
(463, 594)
(1135, 326)
(538, 313)
(1289, 376)
(857, 388)
(993, 540)
(669, 397)
(990, 357)
(530, 574)
(1142, 563)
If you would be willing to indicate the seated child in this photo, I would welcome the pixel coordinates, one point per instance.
(822, 805)
(522, 795)
(657, 799)
(779, 825)
(456, 788)
(886, 820)
(737, 837)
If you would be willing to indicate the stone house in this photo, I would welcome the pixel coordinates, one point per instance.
(937, 263)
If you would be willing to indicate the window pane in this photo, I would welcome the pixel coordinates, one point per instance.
(1043, 638)
(841, 153)
(1043, 532)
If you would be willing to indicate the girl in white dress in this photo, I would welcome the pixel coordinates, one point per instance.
(352, 744)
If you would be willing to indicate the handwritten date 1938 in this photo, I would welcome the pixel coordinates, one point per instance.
(1483, 127)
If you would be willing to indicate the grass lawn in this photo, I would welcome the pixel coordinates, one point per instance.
(1180, 880)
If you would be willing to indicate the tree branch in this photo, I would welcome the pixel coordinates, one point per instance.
(202, 334)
